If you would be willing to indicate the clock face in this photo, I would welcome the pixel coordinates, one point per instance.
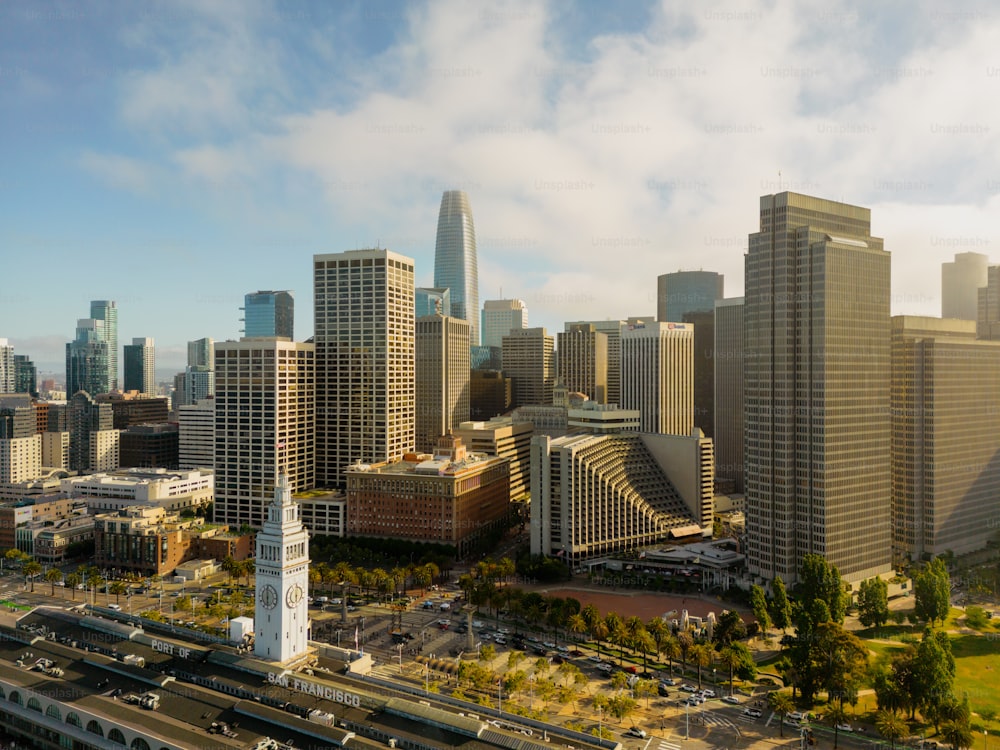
(268, 596)
(294, 595)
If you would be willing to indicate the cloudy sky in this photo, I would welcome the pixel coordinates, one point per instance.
(175, 156)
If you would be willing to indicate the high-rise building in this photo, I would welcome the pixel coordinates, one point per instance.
(945, 437)
(658, 376)
(196, 439)
(55, 450)
(500, 317)
(613, 330)
(490, 394)
(18, 418)
(442, 378)
(455, 264)
(961, 280)
(431, 301)
(93, 441)
(140, 366)
(529, 359)
(687, 291)
(20, 459)
(728, 356)
(201, 353)
(267, 314)
(106, 311)
(8, 375)
(87, 358)
(364, 360)
(988, 306)
(149, 445)
(264, 417)
(582, 356)
(816, 390)
(25, 375)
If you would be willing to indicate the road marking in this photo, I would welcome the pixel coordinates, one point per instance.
(664, 745)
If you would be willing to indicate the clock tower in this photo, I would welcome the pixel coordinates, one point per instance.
(281, 617)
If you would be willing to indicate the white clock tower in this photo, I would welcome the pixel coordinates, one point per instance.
(281, 617)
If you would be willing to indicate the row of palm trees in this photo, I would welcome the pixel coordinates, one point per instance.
(344, 577)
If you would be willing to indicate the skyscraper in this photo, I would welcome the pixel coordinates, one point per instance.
(582, 356)
(201, 353)
(612, 329)
(961, 280)
(500, 317)
(93, 441)
(988, 308)
(264, 416)
(364, 333)
(431, 301)
(658, 376)
(686, 291)
(87, 358)
(25, 375)
(269, 314)
(529, 360)
(140, 366)
(728, 356)
(8, 375)
(442, 378)
(106, 311)
(455, 264)
(816, 393)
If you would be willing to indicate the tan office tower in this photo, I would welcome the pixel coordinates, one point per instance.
(816, 394)
(500, 317)
(364, 310)
(264, 424)
(442, 378)
(961, 280)
(728, 357)
(658, 375)
(582, 355)
(988, 309)
(945, 437)
(613, 330)
(529, 359)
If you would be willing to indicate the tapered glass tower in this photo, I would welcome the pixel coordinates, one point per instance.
(455, 264)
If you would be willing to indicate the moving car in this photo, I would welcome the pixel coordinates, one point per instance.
(708, 693)
(845, 728)
(636, 732)
(731, 699)
(754, 713)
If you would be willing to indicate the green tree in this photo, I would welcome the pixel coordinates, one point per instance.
(873, 602)
(836, 715)
(781, 609)
(758, 603)
(645, 689)
(931, 592)
(737, 658)
(117, 588)
(53, 576)
(958, 734)
(31, 568)
(820, 581)
(72, 581)
(487, 652)
(671, 649)
(975, 617)
(891, 726)
(729, 628)
(701, 655)
(781, 703)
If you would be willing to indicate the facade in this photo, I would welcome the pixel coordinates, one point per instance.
(728, 356)
(961, 280)
(8, 373)
(140, 366)
(20, 459)
(84, 417)
(201, 353)
(196, 435)
(105, 450)
(52, 543)
(431, 301)
(500, 317)
(18, 417)
(682, 292)
(592, 417)
(133, 408)
(105, 311)
(281, 617)
(945, 437)
(612, 329)
(505, 438)
(816, 390)
(55, 450)
(268, 314)
(490, 394)
(25, 375)
(529, 360)
(323, 513)
(174, 491)
(451, 498)
(988, 306)
(485, 357)
(441, 378)
(593, 495)
(88, 359)
(150, 445)
(582, 356)
(364, 336)
(658, 376)
(455, 263)
(264, 424)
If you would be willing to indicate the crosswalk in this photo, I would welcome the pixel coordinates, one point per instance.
(664, 745)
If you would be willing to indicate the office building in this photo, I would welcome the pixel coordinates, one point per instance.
(150, 445)
(612, 329)
(201, 353)
(364, 336)
(961, 280)
(18, 418)
(687, 291)
(132, 408)
(500, 317)
(505, 438)
(988, 306)
(529, 360)
(945, 437)
(175, 491)
(106, 312)
(485, 357)
(88, 359)
(658, 375)
(431, 301)
(25, 375)
(268, 314)
(595, 495)
(140, 366)
(8, 373)
(455, 264)
(20, 459)
(582, 357)
(86, 418)
(55, 450)
(264, 424)
(490, 394)
(728, 356)
(455, 497)
(196, 435)
(816, 390)
(601, 419)
(442, 378)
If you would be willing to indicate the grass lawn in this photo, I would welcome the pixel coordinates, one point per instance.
(977, 673)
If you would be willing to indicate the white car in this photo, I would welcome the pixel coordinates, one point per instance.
(754, 713)
(845, 728)
(708, 693)
(636, 732)
(731, 699)
(477, 624)
(595, 659)
(796, 716)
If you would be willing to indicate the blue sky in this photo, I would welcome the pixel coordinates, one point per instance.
(174, 156)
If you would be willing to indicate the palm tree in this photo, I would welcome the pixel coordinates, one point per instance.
(658, 628)
(576, 624)
(117, 588)
(781, 704)
(891, 726)
(958, 734)
(616, 632)
(53, 576)
(31, 569)
(836, 715)
(670, 648)
(645, 643)
(685, 642)
(230, 566)
(730, 657)
(701, 654)
(599, 631)
(633, 627)
(72, 581)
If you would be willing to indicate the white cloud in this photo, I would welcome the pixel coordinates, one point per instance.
(118, 171)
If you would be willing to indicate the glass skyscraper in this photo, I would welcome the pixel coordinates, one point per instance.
(87, 359)
(455, 264)
(106, 311)
(269, 314)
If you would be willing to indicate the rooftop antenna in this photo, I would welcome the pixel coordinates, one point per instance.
(779, 180)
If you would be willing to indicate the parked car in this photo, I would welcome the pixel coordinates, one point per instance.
(731, 699)
(689, 688)
(754, 713)
(662, 690)
(708, 693)
(846, 728)
(595, 659)
(670, 681)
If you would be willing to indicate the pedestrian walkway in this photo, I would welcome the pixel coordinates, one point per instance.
(664, 745)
